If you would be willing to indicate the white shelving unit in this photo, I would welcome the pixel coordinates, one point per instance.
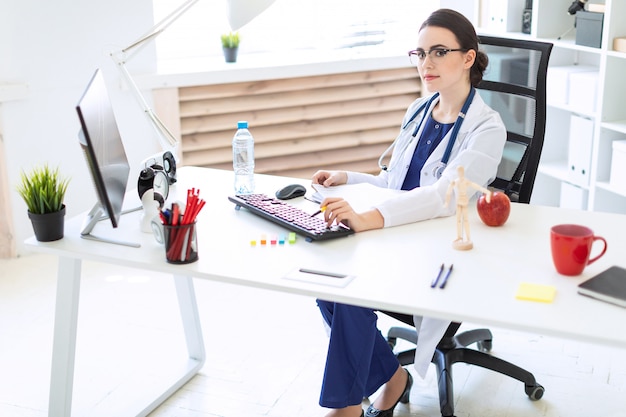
(607, 111)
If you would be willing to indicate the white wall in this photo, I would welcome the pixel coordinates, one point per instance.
(54, 47)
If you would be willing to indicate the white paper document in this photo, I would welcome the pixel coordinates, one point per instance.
(361, 197)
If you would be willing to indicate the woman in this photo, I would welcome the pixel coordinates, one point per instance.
(450, 65)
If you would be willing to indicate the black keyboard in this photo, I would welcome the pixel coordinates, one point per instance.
(290, 217)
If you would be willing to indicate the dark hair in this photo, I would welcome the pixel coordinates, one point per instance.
(465, 34)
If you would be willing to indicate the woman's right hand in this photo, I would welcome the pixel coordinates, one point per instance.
(337, 210)
(330, 178)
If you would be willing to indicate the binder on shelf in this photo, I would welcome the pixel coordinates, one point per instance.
(583, 91)
(579, 150)
(558, 81)
(618, 166)
(501, 16)
(573, 197)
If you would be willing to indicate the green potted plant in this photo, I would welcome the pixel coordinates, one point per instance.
(230, 46)
(43, 190)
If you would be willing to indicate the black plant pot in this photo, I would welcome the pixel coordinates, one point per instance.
(230, 54)
(48, 227)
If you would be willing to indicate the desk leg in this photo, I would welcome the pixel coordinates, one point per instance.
(64, 343)
(190, 316)
(193, 335)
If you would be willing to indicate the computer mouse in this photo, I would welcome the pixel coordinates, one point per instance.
(291, 191)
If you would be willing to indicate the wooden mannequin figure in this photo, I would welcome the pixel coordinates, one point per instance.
(462, 201)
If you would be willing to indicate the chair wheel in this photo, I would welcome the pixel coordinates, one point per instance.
(484, 345)
(534, 392)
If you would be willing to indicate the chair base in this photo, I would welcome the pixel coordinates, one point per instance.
(452, 349)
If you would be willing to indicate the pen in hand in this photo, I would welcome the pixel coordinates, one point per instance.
(445, 280)
(321, 210)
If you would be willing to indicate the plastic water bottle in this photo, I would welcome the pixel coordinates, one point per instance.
(243, 159)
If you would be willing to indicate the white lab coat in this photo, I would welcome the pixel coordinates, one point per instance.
(478, 148)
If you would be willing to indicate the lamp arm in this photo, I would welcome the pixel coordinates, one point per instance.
(240, 13)
(122, 56)
(157, 123)
(157, 29)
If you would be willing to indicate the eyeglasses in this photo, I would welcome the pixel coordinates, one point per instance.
(418, 56)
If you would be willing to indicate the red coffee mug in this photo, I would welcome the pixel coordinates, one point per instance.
(571, 248)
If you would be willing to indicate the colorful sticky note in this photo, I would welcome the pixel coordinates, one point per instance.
(292, 237)
(535, 292)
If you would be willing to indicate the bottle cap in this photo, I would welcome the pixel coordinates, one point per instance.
(242, 124)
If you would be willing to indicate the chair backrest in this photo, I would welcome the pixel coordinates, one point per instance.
(515, 86)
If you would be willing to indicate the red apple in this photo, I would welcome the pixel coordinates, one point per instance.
(496, 212)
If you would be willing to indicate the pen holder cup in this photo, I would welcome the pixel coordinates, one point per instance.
(181, 243)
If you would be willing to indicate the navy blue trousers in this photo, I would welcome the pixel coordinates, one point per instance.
(359, 360)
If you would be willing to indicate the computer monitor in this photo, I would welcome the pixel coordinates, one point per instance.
(104, 151)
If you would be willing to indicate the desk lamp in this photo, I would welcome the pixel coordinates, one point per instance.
(240, 12)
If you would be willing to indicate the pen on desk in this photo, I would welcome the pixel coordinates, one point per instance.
(445, 279)
(436, 280)
(321, 210)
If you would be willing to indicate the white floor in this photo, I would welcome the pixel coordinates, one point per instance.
(265, 353)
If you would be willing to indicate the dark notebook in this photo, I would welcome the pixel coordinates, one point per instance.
(609, 286)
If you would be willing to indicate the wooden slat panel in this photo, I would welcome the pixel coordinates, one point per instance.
(297, 130)
(337, 121)
(167, 108)
(295, 98)
(368, 167)
(293, 84)
(347, 140)
(363, 159)
(199, 124)
(327, 159)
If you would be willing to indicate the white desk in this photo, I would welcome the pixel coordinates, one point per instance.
(393, 269)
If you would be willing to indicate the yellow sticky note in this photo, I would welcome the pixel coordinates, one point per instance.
(535, 292)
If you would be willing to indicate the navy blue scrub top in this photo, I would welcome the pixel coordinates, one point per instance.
(431, 137)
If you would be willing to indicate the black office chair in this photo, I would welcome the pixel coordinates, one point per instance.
(515, 86)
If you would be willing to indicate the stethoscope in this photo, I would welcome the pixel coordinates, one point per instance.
(438, 169)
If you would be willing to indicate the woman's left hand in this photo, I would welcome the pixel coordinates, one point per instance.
(339, 210)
